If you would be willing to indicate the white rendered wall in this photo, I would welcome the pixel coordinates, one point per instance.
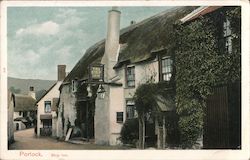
(21, 125)
(116, 105)
(53, 93)
(143, 72)
(16, 115)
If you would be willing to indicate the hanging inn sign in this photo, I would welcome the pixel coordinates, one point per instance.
(96, 73)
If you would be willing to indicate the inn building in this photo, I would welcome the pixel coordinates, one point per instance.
(139, 53)
(96, 97)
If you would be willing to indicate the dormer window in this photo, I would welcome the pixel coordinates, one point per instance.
(165, 66)
(74, 86)
(130, 76)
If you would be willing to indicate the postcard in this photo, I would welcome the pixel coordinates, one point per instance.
(124, 80)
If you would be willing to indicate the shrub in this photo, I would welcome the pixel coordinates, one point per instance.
(130, 131)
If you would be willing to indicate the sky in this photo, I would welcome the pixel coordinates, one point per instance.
(40, 38)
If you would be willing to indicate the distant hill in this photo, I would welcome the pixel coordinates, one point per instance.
(22, 85)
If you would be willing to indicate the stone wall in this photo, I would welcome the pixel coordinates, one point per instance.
(67, 110)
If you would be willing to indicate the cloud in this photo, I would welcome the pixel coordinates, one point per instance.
(31, 55)
(45, 28)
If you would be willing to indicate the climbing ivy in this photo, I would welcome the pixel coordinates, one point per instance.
(201, 63)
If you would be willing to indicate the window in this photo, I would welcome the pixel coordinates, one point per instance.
(165, 69)
(20, 113)
(24, 114)
(130, 109)
(227, 34)
(74, 86)
(47, 106)
(47, 123)
(130, 76)
(119, 117)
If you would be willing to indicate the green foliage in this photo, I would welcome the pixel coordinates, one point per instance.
(202, 63)
(144, 97)
(130, 131)
(145, 93)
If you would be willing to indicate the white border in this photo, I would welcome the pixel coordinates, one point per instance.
(130, 154)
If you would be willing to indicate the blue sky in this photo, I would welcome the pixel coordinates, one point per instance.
(40, 38)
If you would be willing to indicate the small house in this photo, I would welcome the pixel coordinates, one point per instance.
(47, 107)
(24, 111)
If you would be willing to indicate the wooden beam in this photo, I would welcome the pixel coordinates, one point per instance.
(164, 132)
(157, 133)
(87, 121)
(143, 130)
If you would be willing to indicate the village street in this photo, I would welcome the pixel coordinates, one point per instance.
(26, 140)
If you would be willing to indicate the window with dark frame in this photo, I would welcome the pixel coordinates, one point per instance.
(47, 123)
(74, 86)
(24, 113)
(130, 109)
(165, 68)
(47, 106)
(130, 76)
(119, 117)
(227, 34)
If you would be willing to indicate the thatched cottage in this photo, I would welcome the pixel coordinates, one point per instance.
(131, 56)
(97, 96)
(25, 110)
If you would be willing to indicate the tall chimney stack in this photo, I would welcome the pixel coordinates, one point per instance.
(61, 72)
(32, 92)
(112, 42)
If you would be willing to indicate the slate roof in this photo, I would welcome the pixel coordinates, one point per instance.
(46, 92)
(138, 41)
(24, 103)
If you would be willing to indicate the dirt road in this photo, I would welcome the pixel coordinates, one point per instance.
(26, 140)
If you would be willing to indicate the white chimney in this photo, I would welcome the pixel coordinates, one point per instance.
(32, 92)
(112, 42)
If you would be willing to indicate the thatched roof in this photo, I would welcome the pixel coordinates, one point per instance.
(24, 103)
(138, 41)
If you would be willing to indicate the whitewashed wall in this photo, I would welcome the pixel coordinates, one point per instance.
(53, 93)
(16, 115)
(116, 101)
(21, 125)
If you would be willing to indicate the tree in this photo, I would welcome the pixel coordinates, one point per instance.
(144, 103)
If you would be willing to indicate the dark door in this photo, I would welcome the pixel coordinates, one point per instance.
(222, 119)
(17, 126)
